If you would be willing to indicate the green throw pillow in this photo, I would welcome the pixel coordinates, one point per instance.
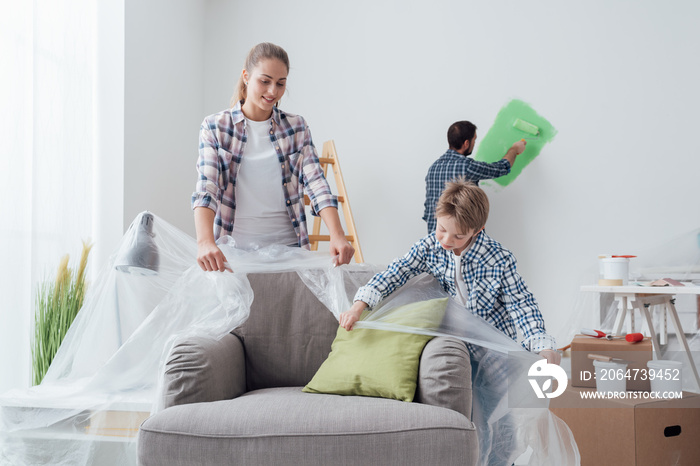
(379, 363)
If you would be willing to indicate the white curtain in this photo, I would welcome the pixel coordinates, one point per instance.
(47, 72)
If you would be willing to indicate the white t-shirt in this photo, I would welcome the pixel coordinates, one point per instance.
(462, 292)
(261, 212)
(460, 284)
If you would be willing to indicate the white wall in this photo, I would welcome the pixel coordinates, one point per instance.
(108, 126)
(164, 92)
(385, 80)
(618, 79)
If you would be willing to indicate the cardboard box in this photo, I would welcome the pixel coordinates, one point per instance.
(583, 372)
(634, 432)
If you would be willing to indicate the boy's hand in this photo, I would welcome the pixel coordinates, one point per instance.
(552, 356)
(348, 318)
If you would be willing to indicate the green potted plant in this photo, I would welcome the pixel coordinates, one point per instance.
(57, 304)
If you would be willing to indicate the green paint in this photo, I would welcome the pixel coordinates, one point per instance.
(526, 127)
(503, 134)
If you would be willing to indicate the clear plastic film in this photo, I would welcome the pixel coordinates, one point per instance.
(510, 419)
(124, 294)
(105, 378)
(677, 258)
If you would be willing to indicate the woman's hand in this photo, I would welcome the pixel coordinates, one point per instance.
(210, 258)
(348, 318)
(339, 246)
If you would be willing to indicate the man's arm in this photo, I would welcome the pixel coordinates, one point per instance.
(478, 170)
(515, 150)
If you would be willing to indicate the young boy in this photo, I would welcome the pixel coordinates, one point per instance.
(473, 268)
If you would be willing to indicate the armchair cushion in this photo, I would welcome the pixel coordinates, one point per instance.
(238, 399)
(283, 426)
(288, 334)
(445, 375)
(379, 363)
(201, 368)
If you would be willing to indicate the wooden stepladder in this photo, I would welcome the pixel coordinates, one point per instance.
(329, 156)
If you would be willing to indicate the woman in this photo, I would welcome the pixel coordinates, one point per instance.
(255, 164)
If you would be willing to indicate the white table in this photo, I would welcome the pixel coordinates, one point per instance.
(642, 298)
(111, 428)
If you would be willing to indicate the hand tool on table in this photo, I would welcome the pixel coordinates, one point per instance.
(630, 337)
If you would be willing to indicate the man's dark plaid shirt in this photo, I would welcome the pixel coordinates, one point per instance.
(449, 166)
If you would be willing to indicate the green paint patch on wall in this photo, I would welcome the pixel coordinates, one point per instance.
(503, 134)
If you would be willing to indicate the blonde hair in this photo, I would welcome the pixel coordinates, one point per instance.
(466, 203)
(262, 51)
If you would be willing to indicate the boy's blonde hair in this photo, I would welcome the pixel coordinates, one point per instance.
(465, 202)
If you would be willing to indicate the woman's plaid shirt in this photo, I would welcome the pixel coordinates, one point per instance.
(222, 138)
(497, 293)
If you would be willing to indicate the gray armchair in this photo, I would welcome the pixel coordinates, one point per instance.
(238, 400)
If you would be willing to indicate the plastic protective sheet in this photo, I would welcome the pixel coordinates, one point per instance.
(677, 258)
(105, 377)
(508, 415)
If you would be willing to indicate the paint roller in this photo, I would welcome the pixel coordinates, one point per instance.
(526, 127)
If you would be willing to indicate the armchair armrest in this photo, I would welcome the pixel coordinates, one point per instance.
(203, 369)
(445, 375)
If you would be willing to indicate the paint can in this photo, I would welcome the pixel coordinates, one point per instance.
(615, 268)
(610, 376)
(665, 377)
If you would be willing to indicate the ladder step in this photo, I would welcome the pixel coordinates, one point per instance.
(329, 156)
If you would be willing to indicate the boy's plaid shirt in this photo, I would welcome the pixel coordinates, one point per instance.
(222, 138)
(497, 293)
